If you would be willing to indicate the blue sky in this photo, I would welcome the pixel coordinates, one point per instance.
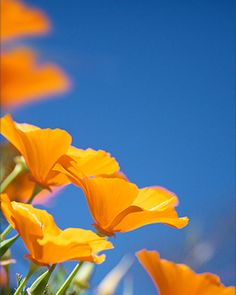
(153, 84)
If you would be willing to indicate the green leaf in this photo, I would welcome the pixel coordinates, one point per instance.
(40, 284)
(6, 244)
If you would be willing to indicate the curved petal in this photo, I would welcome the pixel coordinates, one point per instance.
(93, 163)
(140, 218)
(179, 279)
(72, 244)
(107, 198)
(152, 205)
(30, 223)
(155, 198)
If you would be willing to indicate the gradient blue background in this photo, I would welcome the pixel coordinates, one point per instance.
(153, 84)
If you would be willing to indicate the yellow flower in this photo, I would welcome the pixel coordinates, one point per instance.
(45, 149)
(170, 278)
(120, 206)
(47, 243)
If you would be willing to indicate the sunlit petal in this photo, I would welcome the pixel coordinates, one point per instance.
(179, 279)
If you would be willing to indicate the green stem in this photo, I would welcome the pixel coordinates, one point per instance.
(36, 190)
(22, 284)
(19, 168)
(66, 284)
(6, 232)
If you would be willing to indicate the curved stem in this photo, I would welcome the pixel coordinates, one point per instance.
(19, 168)
(66, 284)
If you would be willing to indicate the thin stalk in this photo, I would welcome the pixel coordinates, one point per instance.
(19, 168)
(37, 189)
(66, 284)
(6, 232)
(22, 284)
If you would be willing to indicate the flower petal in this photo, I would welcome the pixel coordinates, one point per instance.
(179, 279)
(107, 198)
(41, 148)
(152, 205)
(93, 163)
(155, 198)
(140, 218)
(73, 243)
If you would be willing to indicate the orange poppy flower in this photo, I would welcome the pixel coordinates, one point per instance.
(120, 206)
(44, 149)
(17, 20)
(23, 80)
(170, 278)
(41, 148)
(47, 243)
(22, 187)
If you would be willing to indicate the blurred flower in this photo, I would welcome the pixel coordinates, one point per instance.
(171, 278)
(24, 80)
(111, 281)
(5, 262)
(81, 282)
(48, 244)
(18, 20)
(3, 277)
(42, 149)
(120, 206)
